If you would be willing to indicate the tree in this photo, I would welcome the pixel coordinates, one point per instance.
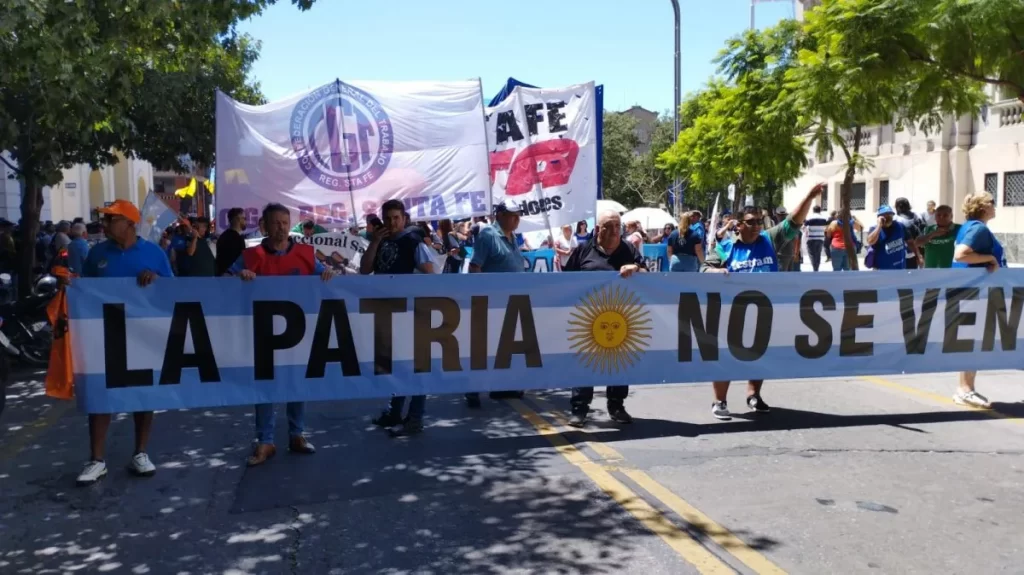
(645, 184)
(85, 79)
(981, 40)
(619, 142)
(850, 76)
(739, 129)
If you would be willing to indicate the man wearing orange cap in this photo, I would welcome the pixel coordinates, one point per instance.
(123, 254)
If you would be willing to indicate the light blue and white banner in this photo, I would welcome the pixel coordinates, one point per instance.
(156, 217)
(203, 342)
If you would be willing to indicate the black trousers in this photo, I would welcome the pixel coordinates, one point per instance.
(582, 396)
(814, 250)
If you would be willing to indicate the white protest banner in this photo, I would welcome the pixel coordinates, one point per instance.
(543, 145)
(337, 152)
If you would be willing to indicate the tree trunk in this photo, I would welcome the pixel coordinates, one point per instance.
(31, 206)
(845, 217)
(844, 201)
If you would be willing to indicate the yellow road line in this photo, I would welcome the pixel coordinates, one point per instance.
(720, 535)
(723, 537)
(26, 434)
(939, 398)
(677, 539)
(602, 449)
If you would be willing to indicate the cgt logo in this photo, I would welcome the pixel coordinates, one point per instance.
(342, 137)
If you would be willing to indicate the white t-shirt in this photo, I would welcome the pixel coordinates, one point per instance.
(565, 244)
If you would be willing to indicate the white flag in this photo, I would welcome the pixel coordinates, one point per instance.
(336, 153)
(713, 224)
(156, 217)
(543, 145)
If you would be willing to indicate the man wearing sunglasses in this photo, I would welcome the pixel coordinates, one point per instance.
(754, 250)
(123, 255)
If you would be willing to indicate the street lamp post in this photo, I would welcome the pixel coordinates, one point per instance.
(678, 86)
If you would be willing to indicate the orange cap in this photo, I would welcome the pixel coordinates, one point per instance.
(122, 208)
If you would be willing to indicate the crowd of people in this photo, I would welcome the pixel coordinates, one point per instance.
(751, 241)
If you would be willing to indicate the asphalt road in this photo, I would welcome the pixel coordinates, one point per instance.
(845, 476)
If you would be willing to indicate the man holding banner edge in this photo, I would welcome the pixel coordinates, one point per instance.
(123, 254)
(754, 250)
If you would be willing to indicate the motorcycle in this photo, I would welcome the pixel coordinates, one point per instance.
(27, 333)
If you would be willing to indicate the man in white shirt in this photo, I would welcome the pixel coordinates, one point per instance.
(814, 228)
(564, 245)
(929, 217)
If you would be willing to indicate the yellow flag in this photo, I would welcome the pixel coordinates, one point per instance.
(209, 186)
(188, 191)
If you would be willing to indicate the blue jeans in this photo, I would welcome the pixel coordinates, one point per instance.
(265, 419)
(684, 263)
(416, 407)
(840, 261)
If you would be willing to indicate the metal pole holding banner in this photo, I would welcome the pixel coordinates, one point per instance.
(678, 85)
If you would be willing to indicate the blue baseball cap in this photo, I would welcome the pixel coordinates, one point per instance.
(508, 205)
(885, 210)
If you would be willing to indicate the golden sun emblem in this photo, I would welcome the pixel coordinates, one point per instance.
(609, 329)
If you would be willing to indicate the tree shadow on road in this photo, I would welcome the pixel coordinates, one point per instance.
(478, 492)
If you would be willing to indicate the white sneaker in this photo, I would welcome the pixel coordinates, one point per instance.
(720, 409)
(141, 465)
(92, 473)
(971, 399)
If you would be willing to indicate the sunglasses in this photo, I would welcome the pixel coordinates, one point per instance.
(752, 222)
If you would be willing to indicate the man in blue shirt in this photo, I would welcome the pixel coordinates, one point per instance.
(122, 255)
(888, 241)
(78, 249)
(496, 251)
(754, 250)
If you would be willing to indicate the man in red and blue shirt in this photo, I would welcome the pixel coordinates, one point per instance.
(278, 255)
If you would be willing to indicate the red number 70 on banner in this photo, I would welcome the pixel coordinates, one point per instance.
(525, 170)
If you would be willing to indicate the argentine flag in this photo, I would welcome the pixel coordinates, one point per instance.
(156, 216)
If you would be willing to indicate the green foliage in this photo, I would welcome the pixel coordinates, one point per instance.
(646, 184)
(742, 128)
(619, 141)
(981, 40)
(855, 69)
(82, 79)
(630, 178)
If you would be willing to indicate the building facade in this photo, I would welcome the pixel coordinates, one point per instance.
(968, 154)
(81, 191)
(646, 122)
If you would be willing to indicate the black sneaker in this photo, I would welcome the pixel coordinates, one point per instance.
(755, 403)
(619, 415)
(387, 418)
(473, 401)
(578, 419)
(408, 428)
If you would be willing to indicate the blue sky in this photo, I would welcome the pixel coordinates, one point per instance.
(627, 45)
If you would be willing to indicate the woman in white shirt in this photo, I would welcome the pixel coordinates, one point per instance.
(564, 245)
